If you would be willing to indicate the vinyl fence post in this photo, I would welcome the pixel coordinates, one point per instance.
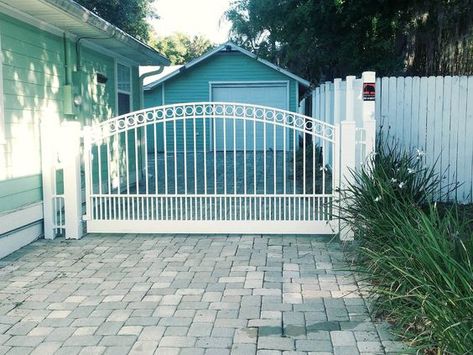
(48, 175)
(369, 121)
(348, 149)
(336, 101)
(70, 152)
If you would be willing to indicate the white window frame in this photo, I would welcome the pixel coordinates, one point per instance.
(117, 90)
(2, 108)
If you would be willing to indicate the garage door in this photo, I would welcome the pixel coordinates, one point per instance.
(264, 94)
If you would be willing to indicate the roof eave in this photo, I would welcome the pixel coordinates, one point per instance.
(218, 49)
(88, 17)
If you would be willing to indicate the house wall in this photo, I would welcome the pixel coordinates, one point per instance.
(34, 74)
(193, 86)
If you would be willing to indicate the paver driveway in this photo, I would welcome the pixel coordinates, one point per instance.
(184, 295)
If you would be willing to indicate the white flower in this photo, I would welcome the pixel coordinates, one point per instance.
(402, 184)
(393, 180)
(377, 199)
(419, 153)
(410, 171)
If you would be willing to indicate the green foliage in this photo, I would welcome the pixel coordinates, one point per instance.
(180, 48)
(418, 260)
(323, 39)
(128, 15)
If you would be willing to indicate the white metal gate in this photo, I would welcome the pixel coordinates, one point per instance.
(189, 185)
(160, 170)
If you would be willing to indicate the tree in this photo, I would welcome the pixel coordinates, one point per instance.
(180, 48)
(129, 15)
(323, 39)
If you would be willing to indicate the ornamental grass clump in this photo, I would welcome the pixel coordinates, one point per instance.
(417, 260)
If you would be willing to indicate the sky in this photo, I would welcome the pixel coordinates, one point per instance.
(193, 17)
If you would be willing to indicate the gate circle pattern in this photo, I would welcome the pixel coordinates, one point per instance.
(248, 112)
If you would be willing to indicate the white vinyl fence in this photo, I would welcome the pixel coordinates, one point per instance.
(342, 100)
(434, 115)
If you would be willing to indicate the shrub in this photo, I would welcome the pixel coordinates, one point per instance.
(418, 261)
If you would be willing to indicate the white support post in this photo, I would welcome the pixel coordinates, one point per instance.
(347, 148)
(48, 174)
(369, 122)
(70, 151)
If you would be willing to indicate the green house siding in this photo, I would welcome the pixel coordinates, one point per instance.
(34, 74)
(99, 100)
(193, 86)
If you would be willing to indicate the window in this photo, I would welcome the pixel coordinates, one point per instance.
(2, 116)
(123, 89)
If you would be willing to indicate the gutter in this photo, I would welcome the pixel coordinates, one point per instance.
(80, 13)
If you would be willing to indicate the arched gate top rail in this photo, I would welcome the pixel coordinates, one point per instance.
(227, 110)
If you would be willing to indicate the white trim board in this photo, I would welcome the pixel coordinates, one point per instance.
(262, 83)
(12, 220)
(20, 238)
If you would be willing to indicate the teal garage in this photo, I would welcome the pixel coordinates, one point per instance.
(227, 73)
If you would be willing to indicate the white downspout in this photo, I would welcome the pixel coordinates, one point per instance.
(142, 78)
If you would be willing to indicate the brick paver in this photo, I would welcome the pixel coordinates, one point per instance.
(156, 294)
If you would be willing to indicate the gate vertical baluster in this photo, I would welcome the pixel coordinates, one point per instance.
(244, 108)
(224, 162)
(195, 165)
(156, 177)
(184, 124)
(234, 165)
(145, 138)
(166, 188)
(304, 170)
(273, 211)
(294, 167)
(205, 162)
(212, 108)
(137, 173)
(254, 162)
(323, 178)
(109, 189)
(99, 163)
(285, 132)
(127, 163)
(314, 165)
(265, 191)
(118, 167)
(174, 209)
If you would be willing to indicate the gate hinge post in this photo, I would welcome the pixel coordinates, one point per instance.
(48, 173)
(70, 151)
